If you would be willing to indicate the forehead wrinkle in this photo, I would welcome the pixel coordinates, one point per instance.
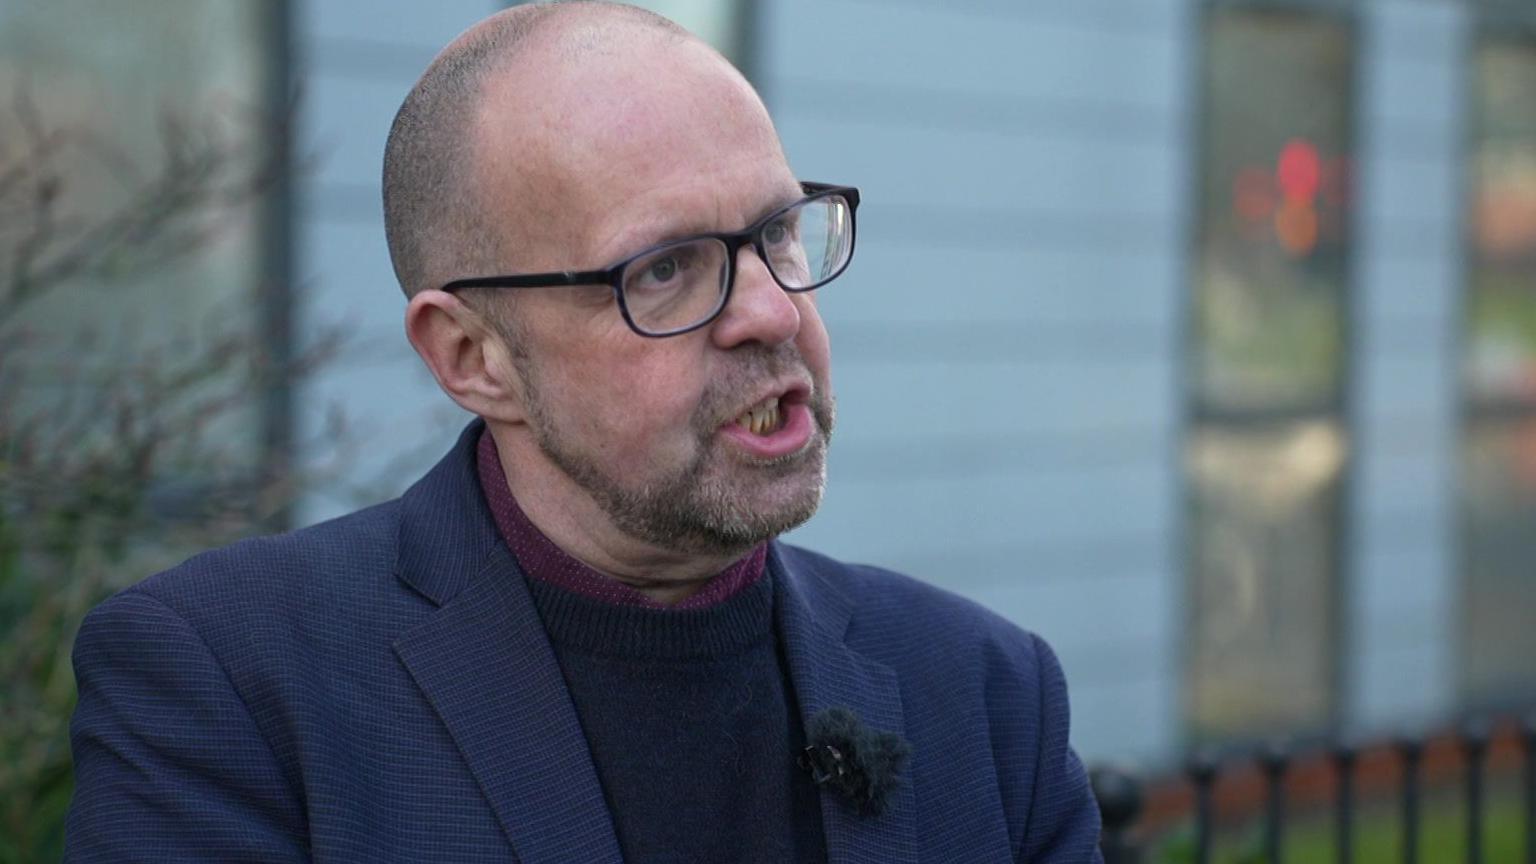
(568, 121)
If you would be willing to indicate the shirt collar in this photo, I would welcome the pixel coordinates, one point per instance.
(541, 559)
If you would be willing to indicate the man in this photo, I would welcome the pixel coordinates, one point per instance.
(576, 640)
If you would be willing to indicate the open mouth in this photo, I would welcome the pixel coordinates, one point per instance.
(762, 419)
(773, 413)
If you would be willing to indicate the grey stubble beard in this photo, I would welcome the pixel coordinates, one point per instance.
(694, 510)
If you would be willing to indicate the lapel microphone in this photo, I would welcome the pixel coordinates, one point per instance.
(858, 763)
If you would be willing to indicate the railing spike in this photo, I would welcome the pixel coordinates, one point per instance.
(1474, 741)
(1202, 770)
(1411, 752)
(1344, 764)
(1119, 796)
(1528, 739)
(1275, 761)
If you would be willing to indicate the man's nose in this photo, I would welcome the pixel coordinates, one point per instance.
(759, 310)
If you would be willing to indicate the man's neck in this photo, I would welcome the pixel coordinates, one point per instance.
(573, 521)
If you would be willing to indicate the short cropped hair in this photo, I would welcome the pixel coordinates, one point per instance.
(434, 217)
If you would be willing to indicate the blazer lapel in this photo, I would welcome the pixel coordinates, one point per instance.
(486, 667)
(813, 616)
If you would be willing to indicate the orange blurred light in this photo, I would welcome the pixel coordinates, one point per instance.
(1506, 220)
(1296, 227)
(1299, 171)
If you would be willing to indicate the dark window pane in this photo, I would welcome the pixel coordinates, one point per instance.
(1499, 465)
(1265, 540)
(1502, 311)
(1267, 446)
(1272, 264)
(1499, 655)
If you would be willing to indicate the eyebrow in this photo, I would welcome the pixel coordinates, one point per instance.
(649, 235)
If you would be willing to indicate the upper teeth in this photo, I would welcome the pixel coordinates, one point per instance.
(761, 418)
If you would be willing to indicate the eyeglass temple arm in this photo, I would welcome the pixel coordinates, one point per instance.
(564, 278)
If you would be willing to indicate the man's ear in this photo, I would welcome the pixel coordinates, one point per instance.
(465, 354)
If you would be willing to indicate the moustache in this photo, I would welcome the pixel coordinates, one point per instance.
(748, 372)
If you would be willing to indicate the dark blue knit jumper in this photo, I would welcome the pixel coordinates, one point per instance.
(692, 724)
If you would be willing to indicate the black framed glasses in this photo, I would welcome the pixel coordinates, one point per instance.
(682, 285)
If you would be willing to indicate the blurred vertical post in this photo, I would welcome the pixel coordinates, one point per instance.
(275, 281)
(1119, 795)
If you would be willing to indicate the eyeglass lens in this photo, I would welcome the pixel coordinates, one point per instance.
(678, 286)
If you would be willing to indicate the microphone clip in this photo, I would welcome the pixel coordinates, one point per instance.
(859, 763)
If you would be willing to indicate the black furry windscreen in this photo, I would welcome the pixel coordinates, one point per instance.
(861, 764)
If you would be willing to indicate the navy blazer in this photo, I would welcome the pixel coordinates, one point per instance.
(379, 688)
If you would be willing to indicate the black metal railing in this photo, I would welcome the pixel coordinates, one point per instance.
(1121, 795)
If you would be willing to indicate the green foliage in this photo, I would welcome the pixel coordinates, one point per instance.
(120, 452)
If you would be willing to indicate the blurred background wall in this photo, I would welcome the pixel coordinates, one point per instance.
(1199, 337)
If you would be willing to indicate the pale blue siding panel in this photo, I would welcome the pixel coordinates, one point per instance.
(1412, 292)
(355, 285)
(927, 398)
(871, 456)
(1006, 345)
(1414, 51)
(401, 22)
(1419, 191)
(887, 519)
(1412, 208)
(949, 168)
(1038, 289)
(1424, 93)
(959, 108)
(357, 60)
(1414, 33)
(1105, 622)
(397, 419)
(1405, 689)
(1407, 579)
(1135, 721)
(1140, 550)
(1379, 529)
(1404, 383)
(397, 423)
(1012, 343)
(928, 46)
(1399, 649)
(345, 122)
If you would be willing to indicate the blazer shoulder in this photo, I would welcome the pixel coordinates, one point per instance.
(305, 567)
(909, 615)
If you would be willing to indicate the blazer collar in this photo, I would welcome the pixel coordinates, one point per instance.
(446, 533)
(486, 667)
(814, 609)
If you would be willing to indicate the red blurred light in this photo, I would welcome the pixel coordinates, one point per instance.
(1299, 171)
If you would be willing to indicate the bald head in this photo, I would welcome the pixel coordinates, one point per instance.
(435, 214)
